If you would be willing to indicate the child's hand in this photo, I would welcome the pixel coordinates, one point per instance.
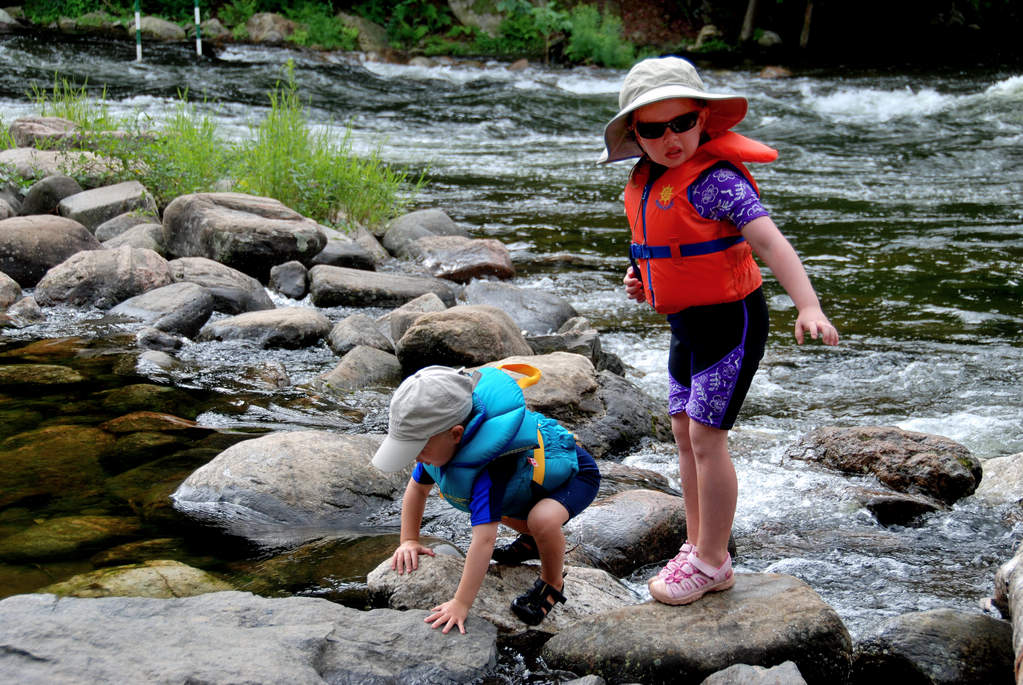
(633, 286)
(813, 321)
(407, 556)
(451, 612)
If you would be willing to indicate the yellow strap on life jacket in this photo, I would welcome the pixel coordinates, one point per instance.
(539, 462)
(531, 373)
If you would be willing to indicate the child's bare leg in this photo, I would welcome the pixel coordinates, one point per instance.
(688, 476)
(544, 523)
(718, 488)
(518, 525)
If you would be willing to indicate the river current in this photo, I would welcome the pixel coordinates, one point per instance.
(900, 190)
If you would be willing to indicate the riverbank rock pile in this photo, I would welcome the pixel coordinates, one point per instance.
(201, 270)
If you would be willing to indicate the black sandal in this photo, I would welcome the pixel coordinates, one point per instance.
(533, 606)
(518, 550)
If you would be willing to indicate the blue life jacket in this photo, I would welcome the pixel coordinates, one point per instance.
(499, 426)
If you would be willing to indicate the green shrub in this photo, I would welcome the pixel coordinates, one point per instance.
(596, 38)
(319, 27)
(68, 102)
(411, 21)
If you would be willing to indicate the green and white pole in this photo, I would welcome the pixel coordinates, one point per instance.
(198, 39)
(138, 32)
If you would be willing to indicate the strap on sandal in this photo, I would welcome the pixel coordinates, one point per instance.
(533, 606)
(518, 550)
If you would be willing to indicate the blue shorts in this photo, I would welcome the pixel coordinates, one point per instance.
(715, 351)
(576, 494)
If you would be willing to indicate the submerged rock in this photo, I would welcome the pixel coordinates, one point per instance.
(67, 536)
(287, 327)
(159, 578)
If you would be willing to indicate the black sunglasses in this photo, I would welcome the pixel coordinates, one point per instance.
(655, 129)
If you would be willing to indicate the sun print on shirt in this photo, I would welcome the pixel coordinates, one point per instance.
(665, 201)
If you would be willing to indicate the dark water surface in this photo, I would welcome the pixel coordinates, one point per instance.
(899, 190)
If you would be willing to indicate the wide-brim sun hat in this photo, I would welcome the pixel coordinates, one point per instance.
(664, 78)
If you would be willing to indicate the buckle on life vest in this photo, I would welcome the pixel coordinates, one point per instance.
(638, 251)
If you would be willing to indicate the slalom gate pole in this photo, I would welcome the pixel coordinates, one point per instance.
(198, 40)
(138, 31)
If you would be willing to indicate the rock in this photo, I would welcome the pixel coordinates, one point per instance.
(226, 637)
(397, 321)
(26, 311)
(7, 209)
(28, 131)
(356, 330)
(155, 28)
(282, 482)
(371, 245)
(67, 537)
(627, 531)
(904, 461)
(290, 279)
(31, 245)
(461, 259)
(372, 37)
(1008, 600)
(773, 71)
(654, 642)
(896, 509)
(1003, 480)
(248, 233)
(176, 308)
(267, 27)
(10, 291)
(56, 462)
(153, 339)
(93, 207)
(233, 292)
(466, 335)
(786, 673)
(287, 327)
(363, 367)
(157, 578)
(537, 312)
(143, 236)
(588, 591)
(940, 646)
(30, 163)
(341, 250)
(111, 228)
(576, 335)
(38, 374)
(481, 14)
(103, 278)
(148, 397)
(707, 33)
(419, 224)
(616, 477)
(769, 39)
(46, 194)
(335, 286)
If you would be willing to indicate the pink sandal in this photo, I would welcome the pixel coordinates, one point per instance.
(691, 580)
(683, 554)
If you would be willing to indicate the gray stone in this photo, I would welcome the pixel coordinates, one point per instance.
(26, 311)
(103, 278)
(46, 194)
(266, 27)
(155, 28)
(786, 673)
(419, 224)
(290, 279)
(10, 291)
(356, 330)
(31, 163)
(896, 508)
(92, 207)
(233, 292)
(371, 244)
(397, 321)
(28, 131)
(361, 368)
(32, 245)
(461, 259)
(175, 308)
(466, 335)
(286, 327)
(143, 236)
(1003, 480)
(335, 286)
(232, 637)
(765, 619)
(341, 250)
(372, 37)
(1009, 599)
(113, 227)
(537, 312)
(941, 646)
(481, 14)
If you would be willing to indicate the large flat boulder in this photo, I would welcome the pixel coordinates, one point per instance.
(32, 245)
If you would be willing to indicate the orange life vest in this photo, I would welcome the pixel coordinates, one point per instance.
(684, 259)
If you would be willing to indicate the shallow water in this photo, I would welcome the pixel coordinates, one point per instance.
(899, 190)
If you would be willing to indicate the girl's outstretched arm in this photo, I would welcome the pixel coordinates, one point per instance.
(777, 253)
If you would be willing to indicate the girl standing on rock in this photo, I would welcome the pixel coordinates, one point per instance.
(696, 220)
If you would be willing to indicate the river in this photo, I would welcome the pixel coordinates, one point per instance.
(900, 190)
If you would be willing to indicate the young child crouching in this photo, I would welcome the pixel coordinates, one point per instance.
(473, 437)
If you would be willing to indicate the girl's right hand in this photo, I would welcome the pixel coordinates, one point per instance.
(406, 557)
(633, 286)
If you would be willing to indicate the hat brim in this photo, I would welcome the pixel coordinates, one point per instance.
(394, 455)
(725, 111)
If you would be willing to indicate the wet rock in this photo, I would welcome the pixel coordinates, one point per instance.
(372, 37)
(654, 642)
(363, 367)
(56, 461)
(786, 673)
(465, 335)
(616, 477)
(150, 338)
(7, 209)
(287, 327)
(31, 245)
(369, 242)
(1008, 600)
(295, 479)
(92, 207)
(232, 637)
(28, 131)
(536, 312)
(335, 286)
(627, 531)
(905, 461)
(158, 578)
(38, 375)
(148, 236)
(46, 194)
(397, 321)
(67, 537)
(155, 28)
(422, 223)
(30, 163)
(896, 509)
(212, 30)
(588, 591)
(103, 278)
(461, 259)
(266, 27)
(941, 646)
(483, 15)
(1003, 480)
(342, 250)
(356, 330)
(290, 279)
(111, 228)
(26, 311)
(271, 374)
(180, 308)
(10, 291)
(245, 232)
(233, 291)
(141, 551)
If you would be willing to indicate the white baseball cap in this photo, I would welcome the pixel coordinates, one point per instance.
(428, 402)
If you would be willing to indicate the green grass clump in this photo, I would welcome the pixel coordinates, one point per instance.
(596, 38)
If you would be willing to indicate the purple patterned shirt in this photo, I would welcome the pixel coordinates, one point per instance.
(723, 194)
